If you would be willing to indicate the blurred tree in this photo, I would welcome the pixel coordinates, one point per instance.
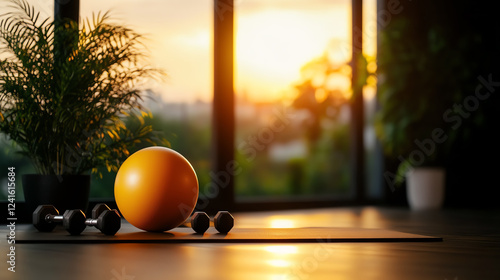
(324, 89)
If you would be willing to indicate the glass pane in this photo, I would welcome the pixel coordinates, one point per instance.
(293, 86)
(178, 37)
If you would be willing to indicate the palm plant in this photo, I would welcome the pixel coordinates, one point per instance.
(66, 91)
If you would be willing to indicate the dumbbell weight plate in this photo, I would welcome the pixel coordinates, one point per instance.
(200, 222)
(99, 209)
(109, 222)
(106, 220)
(223, 221)
(74, 221)
(39, 218)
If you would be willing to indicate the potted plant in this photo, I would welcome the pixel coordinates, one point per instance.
(422, 70)
(69, 108)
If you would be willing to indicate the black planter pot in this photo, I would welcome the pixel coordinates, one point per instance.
(65, 192)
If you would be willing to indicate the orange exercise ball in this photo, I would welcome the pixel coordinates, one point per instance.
(156, 189)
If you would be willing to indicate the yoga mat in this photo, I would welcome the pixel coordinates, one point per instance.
(131, 234)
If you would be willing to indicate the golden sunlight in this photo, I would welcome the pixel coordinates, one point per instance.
(281, 249)
(281, 223)
(273, 44)
(273, 41)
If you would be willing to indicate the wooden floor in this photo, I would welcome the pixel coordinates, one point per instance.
(470, 250)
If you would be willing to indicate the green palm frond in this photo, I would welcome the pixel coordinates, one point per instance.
(64, 90)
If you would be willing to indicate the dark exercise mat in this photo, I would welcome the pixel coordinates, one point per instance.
(130, 234)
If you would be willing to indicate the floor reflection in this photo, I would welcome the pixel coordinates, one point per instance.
(277, 222)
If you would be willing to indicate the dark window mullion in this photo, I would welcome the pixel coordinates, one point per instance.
(223, 130)
(357, 104)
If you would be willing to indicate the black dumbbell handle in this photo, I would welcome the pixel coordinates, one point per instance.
(53, 218)
(91, 222)
(109, 222)
(60, 218)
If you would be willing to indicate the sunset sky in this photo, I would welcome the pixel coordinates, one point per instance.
(274, 38)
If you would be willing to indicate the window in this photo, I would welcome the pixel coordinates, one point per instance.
(292, 90)
(178, 37)
(292, 118)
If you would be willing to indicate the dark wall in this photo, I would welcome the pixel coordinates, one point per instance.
(472, 29)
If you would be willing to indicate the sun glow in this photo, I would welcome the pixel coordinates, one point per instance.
(273, 44)
(281, 249)
(273, 40)
(277, 42)
(281, 223)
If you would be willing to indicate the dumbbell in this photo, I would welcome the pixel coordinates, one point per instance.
(223, 222)
(199, 222)
(106, 220)
(46, 217)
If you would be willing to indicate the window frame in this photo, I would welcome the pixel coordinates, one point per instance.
(223, 125)
(224, 119)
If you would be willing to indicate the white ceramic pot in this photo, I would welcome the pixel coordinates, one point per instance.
(425, 188)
